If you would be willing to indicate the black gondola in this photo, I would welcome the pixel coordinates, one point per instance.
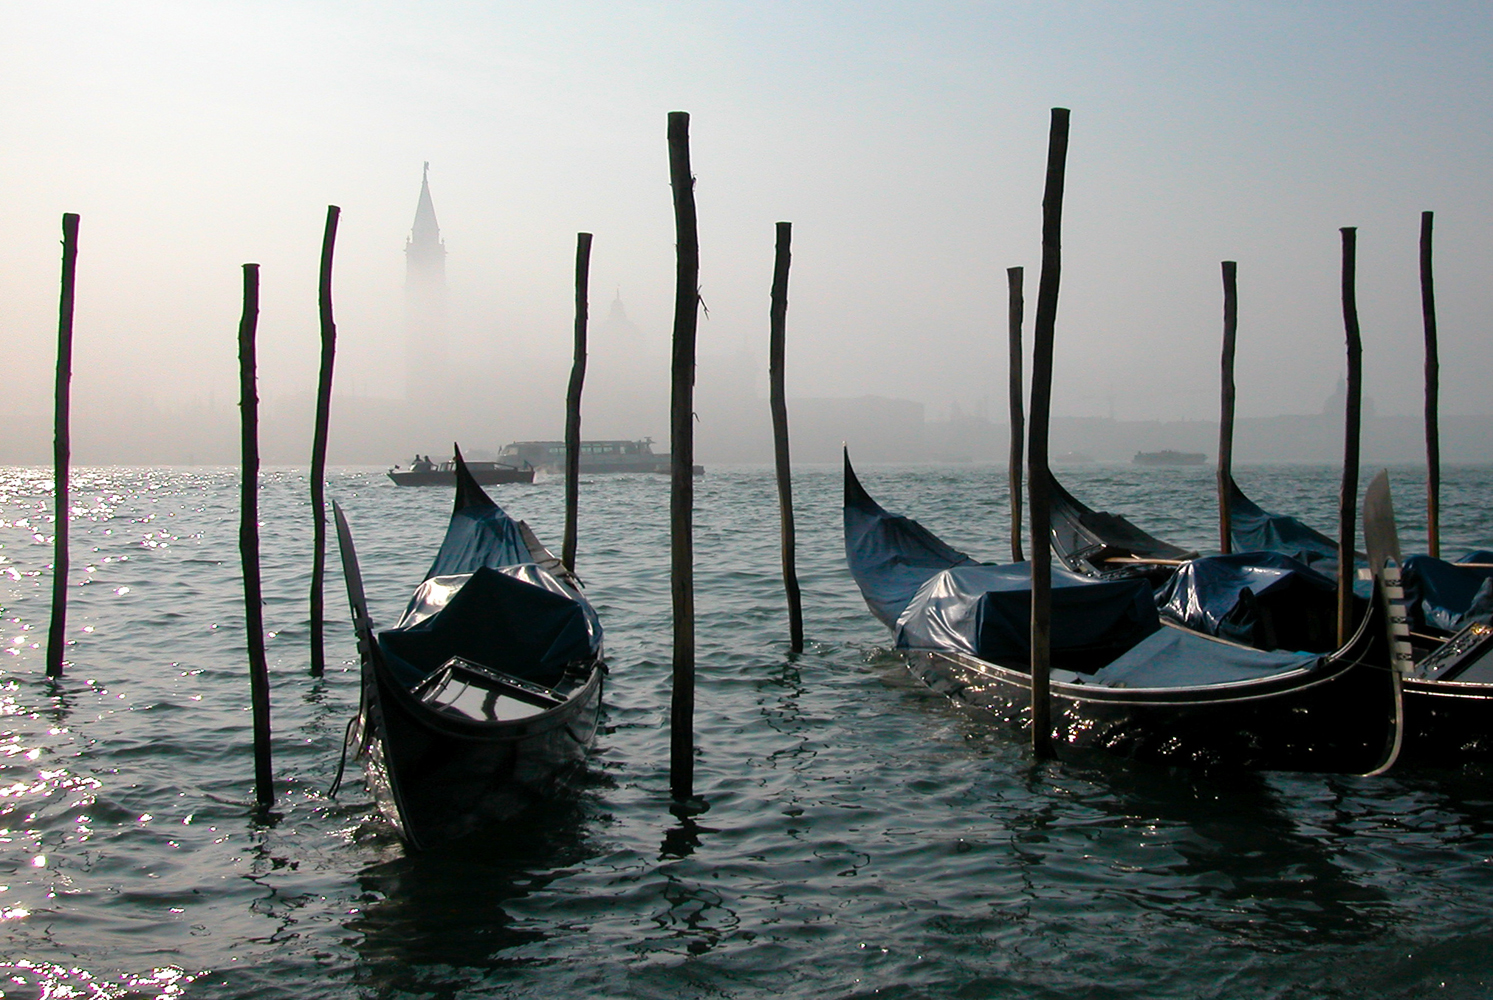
(1441, 643)
(1122, 681)
(1280, 595)
(1270, 599)
(485, 695)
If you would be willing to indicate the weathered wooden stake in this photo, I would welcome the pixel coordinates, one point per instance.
(62, 448)
(682, 457)
(1433, 390)
(1016, 308)
(1039, 496)
(319, 444)
(1226, 417)
(248, 541)
(1348, 492)
(779, 404)
(573, 400)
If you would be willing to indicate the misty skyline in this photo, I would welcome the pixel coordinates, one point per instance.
(906, 144)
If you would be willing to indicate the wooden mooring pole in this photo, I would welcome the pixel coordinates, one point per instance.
(248, 541)
(62, 448)
(573, 399)
(1226, 415)
(682, 457)
(1039, 480)
(1015, 310)
(319, 444)
(779, 403)
(1348, 492)
(1433, 390)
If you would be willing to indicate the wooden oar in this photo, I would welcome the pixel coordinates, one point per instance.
(356, 599)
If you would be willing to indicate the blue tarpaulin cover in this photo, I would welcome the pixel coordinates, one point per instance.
(1447, 595)
(517, 619)
(487, 600)
(935, 597)
(1255, 529)
(1207, 595)
(479, 536)
(987, 611)
(1174, 658)
(890, 556)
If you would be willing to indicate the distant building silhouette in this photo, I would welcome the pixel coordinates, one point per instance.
(617, 334)
(425, 301)
(1337, 404)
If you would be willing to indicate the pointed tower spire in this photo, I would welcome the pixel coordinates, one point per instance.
(425, 299)
(425, 251)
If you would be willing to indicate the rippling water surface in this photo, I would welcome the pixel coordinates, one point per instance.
(863, 838)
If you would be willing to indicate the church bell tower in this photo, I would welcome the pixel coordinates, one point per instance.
(425, 301)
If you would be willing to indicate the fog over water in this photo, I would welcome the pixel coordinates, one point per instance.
(905, 142)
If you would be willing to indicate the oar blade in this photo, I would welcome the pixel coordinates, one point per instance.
(356, 599)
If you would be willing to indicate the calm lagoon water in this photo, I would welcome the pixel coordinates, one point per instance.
(863, 837)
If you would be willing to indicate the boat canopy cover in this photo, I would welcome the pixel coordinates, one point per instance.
(1173, 657)
(1221, 595)
(1449, 596)
(987, 611)
(479, 535)
(516, 619)
(1081, 534)
(1255, 529)
(890, 556)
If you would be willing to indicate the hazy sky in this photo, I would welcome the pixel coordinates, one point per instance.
(905, 141)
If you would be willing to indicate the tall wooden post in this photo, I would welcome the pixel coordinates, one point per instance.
(1040, 489)
(682, 457)
(573, 399)
(62, 448)
(248, 540)
(1433, 390)
(1226, 416)
(1348, 492)
(1015, 309)
(779, 404)
(319, 443)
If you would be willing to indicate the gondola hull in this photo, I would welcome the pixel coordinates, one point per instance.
(1447, 723)
(1338, 718)
(436, 778)
(1127, 684)
(484, 697)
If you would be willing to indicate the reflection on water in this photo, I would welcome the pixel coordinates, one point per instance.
(45, 980)
(864, 837)
(1229, 856)
(446, 907)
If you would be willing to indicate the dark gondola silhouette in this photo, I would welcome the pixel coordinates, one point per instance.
(483, 698)
(1122, 681)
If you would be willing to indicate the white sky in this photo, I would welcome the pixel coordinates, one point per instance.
(905, 141)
